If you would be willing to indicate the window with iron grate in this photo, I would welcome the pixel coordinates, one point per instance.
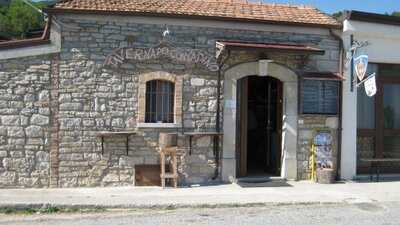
(159, 101)
(320, 97)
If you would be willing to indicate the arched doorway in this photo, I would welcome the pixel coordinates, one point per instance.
(259, 126)
(289, 117)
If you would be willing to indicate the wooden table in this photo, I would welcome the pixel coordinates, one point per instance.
(104, 134)
(375, 163)
(200, 134)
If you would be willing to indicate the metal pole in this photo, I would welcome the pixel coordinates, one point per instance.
(352, 64)
(359, 84)
(217, 126)
(216, 138)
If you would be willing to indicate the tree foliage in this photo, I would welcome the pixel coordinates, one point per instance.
(395, 13)
(337, 15)
(18, 18)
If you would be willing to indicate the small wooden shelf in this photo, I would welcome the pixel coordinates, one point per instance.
(115, 133)
(200, 134)
(169, 175)
(103, 134)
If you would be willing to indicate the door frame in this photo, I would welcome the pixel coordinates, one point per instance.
(242, 125)
(289, 143)
(380, 131)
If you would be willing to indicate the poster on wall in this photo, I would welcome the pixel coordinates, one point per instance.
(324, 157)
(323, 145)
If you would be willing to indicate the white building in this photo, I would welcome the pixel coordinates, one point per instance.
(371, 126)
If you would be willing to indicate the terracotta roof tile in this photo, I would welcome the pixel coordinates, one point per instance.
(226, 9)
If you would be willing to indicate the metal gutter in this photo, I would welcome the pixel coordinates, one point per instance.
(217, 152)
(372, 17)
(340, 128)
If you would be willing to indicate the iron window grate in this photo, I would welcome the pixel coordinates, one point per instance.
(159, 101)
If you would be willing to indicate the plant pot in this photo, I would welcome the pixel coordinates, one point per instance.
(168, 140)
(325, 176)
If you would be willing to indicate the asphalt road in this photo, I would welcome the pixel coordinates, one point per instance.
(354, 214)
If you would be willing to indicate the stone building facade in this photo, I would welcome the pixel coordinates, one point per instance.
(54, 105)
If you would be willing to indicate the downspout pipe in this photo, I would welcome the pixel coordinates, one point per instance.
(340, 128)
(216, 140)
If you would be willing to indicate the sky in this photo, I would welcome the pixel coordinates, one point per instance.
(331, 6)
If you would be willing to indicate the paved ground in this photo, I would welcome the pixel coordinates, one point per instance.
(338, 214)
(268, 193)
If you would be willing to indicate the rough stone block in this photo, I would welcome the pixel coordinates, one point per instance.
(3, 131)
(88, 122)
(44, 111)
(16, 132)
(208, 91)
(305, 134)
(16, 164)
(44, 95)
(8, 178)
(130, 161)
(332, 122)
(3, 154)
(16, 154)
(39, 120)
(111, 177)
(24, 120)
(197, 82)
(203, 142)
(118, 122)
(34, 131)
(68, 123)
(64, 98)
(71, 106)
(11, 120)
(42, 156)
(212, 105)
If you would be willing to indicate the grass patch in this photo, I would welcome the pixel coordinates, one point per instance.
(49, 210)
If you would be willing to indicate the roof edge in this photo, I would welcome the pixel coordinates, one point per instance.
(372, 17)
(282, 47)
(217, 18)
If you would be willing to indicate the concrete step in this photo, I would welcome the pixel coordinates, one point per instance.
(260, 179)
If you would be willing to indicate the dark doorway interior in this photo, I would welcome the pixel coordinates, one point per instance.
(261, 117)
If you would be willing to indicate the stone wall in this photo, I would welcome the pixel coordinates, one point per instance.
(307, 126)
(25, 121)
(91, 98)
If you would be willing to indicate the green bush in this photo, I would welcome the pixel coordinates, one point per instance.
(396, 14)
(17, 19)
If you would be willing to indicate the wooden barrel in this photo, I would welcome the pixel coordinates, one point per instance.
(168, 140)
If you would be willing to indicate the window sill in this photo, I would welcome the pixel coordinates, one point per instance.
(159, 125)
(319, 114)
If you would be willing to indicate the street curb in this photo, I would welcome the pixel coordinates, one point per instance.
(22, 207)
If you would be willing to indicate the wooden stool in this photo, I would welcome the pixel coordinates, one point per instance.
(173, 174)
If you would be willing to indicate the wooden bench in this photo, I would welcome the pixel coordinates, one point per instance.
(376, 163)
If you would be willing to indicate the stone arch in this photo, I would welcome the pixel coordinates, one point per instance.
(290, 115)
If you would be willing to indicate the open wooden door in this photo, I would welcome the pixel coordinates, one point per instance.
(259, 126)
(242, 103)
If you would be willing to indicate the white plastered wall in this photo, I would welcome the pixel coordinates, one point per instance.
(384, 47)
